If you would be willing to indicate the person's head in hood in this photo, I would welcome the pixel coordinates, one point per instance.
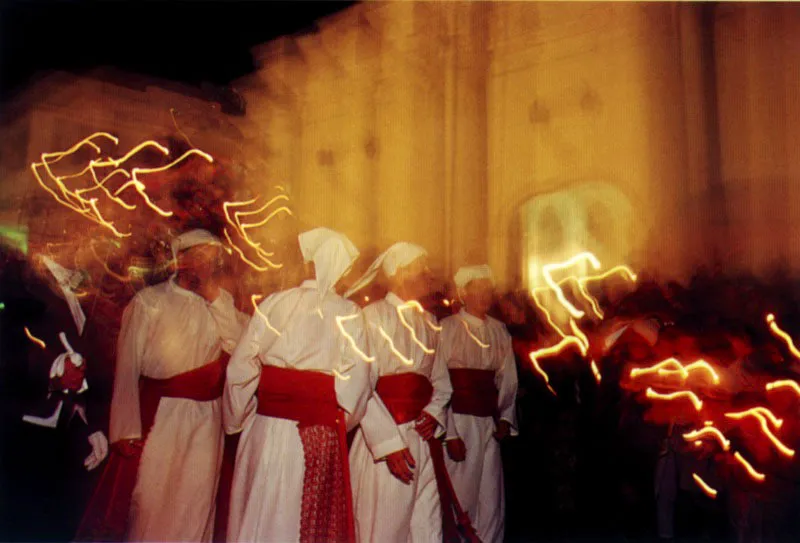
(330, 253)
(475, 286)
(198, 257)
(405, 266)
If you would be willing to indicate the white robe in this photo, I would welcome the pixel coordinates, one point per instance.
(478, 480)
(267, 488)
(166, 331)
(386, 509)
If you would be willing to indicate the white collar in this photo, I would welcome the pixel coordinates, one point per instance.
(394, 299)
(470, 318)
(309, 283)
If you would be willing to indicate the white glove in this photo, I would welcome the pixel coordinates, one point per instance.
(99, 450)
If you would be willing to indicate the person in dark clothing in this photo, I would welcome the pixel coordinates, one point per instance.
(55, 421)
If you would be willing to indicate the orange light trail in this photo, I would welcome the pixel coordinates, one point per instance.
(88, 208)
(550, 351)
(708, 431)
(35, 339)
(475, 338)
(784, 383)
(596, 371)
(779, 445)
(749, 468)
(254, 299)
(710, 492)
(687, 394)
(757, 411)
(547, 269)
(398, 354)
(672, 366)
(349, 338)
(413, 304)
(773, 326)
(432, 326)
(234, 219)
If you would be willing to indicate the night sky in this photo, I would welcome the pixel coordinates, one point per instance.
(188, 41)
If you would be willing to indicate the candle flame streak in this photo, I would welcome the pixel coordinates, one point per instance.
(549, 351)
(254, 299)
(749, 468)
(672, 366)
(234, 219)
(270, 265)
(73, 199)
(779, 445)
(416, 306)
(688, 394)
(625, 270)
(35, 339)
(547, 269)
(432, 326)
(709, 431)
(710, 492)
(578, 333)
(777, 331)
(784, 383)
(349, 338)
(398, 354)
(596, 371)
(474, 338)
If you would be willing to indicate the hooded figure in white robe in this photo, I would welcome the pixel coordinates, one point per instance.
(477, 350)
(394, 484)
(167, 402)
(297, 381)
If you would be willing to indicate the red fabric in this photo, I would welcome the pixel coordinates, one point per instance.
(71, 380)
(224, 489)
(309, 398)
(474, 392)
(106, 517)
(405, 395)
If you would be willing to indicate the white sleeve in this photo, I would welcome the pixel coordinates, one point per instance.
(442, 391)
(353, 385)
(244, 369)
(380, 432)
(125, 422)
(230, 321)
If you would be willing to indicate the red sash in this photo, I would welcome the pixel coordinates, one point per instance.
(106, 517)
(474, 392)
(309, 397)
(406, 395)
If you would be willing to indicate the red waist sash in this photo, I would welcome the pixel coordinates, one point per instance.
(309, 397)
(202, 384)
(405, 395)
(474, 392)
(106, 517)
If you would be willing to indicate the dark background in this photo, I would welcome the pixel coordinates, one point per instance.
(188, 41)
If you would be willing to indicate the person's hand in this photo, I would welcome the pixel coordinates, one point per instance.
(99, 450)
(401, 464)
(503, 430)
(129, 447)
(456, 449)
(426, 426)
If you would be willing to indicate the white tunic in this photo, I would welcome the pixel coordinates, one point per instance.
(471, 343)
(386, 509)
(267, 488)
(166, 331)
